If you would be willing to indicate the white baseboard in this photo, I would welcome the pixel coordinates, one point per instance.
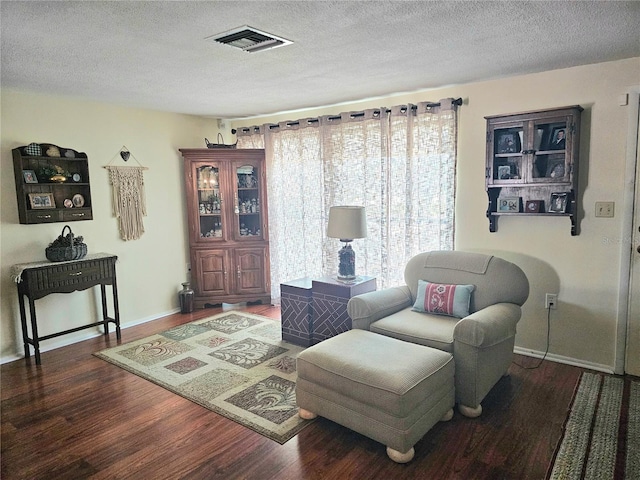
(63, 342)
(566, 360)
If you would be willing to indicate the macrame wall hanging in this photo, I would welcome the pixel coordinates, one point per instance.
(127, 196)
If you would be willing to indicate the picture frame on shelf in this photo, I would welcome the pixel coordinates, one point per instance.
(504, 172)
(534, 206)
(558, 203)
(508, 142)
(557, 140)
(77, 200)
(555, 169)
(509, 204)
(29, 176)
(41, 200)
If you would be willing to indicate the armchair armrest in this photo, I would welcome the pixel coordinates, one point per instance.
(368, 307)
(488, 326)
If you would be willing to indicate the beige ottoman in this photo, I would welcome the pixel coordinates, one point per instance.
(387, 389)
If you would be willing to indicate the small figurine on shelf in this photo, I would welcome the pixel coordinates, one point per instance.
(53, 173)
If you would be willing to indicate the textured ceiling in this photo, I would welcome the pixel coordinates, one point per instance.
(154, 54)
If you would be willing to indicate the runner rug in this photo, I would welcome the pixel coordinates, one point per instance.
(234, 364)
(601, 437)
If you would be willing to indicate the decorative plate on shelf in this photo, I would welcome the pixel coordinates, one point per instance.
(78, 200)
(76, 177)
(68, 203)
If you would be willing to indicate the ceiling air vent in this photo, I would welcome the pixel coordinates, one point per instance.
(249, 39)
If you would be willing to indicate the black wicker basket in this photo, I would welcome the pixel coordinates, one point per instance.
(67, 252)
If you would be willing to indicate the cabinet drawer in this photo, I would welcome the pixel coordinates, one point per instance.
(67, 277)
(43, 216)
(74, 272)
(72, 214)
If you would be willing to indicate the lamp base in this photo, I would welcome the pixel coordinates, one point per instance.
(347, 265)
(349, 281)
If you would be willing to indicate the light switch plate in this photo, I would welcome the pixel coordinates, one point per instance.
(605, 209)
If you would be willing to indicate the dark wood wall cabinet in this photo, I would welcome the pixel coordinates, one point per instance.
(228, 227)
(532, 165)
(52, 184)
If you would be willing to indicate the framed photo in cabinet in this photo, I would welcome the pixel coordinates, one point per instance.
(534, 206)
(557, 140)
(508, 142)
(42, 200)
(29, 176)
(555, 169)
(504, 172)
(509, 204)
(559, 202)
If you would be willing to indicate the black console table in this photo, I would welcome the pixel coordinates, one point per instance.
(39, 279)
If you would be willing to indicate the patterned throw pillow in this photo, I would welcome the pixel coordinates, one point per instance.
(441, 299)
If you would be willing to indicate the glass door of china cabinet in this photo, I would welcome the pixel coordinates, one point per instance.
(531, 151)
(248, 201)
(508, 165)
(211, 223)
(551, 149)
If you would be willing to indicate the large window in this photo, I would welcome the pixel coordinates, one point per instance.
(399, 163)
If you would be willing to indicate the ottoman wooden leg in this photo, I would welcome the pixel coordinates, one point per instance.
(306, 414)
(400, 457)
(470, 412)
(447, 416)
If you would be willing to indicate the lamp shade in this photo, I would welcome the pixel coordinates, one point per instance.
(347, 223)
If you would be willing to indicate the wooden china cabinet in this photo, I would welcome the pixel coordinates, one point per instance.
(228, 228)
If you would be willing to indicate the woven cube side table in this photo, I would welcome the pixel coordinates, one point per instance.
(330, 298)
(296, 311)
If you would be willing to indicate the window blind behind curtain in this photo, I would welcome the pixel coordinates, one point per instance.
(399, 163)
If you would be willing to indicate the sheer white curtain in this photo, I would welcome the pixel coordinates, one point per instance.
(399, 163)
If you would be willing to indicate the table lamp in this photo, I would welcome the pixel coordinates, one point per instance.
(347, 223)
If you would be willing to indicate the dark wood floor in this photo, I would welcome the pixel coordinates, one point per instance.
(77, 416)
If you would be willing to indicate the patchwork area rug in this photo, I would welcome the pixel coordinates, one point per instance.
(234, 364)
(602, 434)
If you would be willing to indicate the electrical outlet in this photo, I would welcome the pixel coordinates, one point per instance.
(551, 301)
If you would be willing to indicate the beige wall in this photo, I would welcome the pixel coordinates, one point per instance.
(583, 270)
(150, 269)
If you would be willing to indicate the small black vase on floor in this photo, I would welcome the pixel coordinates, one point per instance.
(186, 298)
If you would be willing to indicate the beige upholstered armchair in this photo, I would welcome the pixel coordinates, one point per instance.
(480, 340)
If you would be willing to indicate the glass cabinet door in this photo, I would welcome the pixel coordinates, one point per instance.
(508, 161)
(209, 202)
(550, 152)
(248, 203)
